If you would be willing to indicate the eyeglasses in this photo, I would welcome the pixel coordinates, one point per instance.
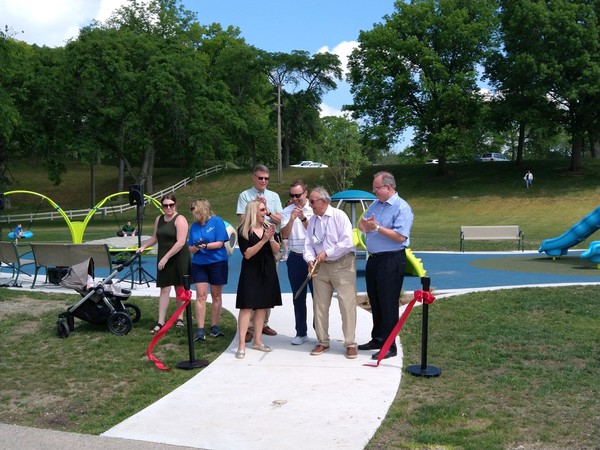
(296, 195)
(263, 178)
(168, 205)
(311, 201)
(378, 187)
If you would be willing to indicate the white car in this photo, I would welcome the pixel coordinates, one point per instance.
(309, 164)
(302, 164)
(486, 157)
(432, 161)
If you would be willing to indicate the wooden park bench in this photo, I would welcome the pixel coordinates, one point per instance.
(10, 258)
(62, 256)
(491, 233)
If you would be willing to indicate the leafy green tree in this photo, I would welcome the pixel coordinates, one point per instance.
(547, 69)
(419, 69)
(342, 145)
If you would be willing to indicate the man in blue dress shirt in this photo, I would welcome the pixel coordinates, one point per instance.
(387, 224)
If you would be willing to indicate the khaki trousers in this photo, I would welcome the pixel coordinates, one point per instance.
(338, 275)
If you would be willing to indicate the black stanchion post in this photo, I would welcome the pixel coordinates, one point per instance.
(424, 370)
(192, 363)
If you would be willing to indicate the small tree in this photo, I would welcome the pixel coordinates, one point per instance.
(341, 143)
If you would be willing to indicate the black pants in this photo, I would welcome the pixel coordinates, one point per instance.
(384, 276)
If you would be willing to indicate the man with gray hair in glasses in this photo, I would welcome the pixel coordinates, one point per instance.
(328, 243)
(387, 224)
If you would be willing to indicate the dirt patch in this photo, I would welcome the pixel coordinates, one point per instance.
(27, 305)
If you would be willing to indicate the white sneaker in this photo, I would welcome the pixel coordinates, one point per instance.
(299, 340)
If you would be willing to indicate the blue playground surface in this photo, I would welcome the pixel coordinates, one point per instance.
(446, 271)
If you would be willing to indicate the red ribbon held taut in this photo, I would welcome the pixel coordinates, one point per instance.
(186, 297)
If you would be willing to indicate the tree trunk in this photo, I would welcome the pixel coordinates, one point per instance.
(521, 143)
(577, 152)
(594, 138)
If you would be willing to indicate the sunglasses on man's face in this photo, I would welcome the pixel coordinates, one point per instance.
(296, 195)
(263, 178)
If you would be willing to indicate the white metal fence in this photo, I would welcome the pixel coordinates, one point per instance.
(103, 211)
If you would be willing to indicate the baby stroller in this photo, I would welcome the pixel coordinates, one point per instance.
(101, 303)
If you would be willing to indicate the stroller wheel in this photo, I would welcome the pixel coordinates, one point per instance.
(119, 323)
(134, 311)
(63, 328)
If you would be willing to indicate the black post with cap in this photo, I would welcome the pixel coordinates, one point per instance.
(424, 370)
(192, 363)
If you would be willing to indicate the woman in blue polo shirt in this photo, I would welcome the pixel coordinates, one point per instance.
(206, 241)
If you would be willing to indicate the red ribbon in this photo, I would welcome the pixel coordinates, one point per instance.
(419, 296)
(186, 297)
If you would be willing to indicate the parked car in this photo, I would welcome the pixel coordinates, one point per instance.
(309, 164)
(432, 161)
(302, 164)
(486, 157)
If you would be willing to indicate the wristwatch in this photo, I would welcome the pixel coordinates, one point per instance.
(377, 229)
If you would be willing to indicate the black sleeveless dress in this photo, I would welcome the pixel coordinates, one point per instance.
(258, 286)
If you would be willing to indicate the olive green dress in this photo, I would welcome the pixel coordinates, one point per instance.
(179, 264)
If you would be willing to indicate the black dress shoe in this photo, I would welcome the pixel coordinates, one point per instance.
(391, 352)
(371, 345)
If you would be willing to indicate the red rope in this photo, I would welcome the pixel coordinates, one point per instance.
(186, 297)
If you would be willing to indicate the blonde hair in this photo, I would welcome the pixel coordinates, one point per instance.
(249, 219)
(202, 211)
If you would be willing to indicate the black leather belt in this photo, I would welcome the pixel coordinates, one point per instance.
(297, 253)
(375, 255)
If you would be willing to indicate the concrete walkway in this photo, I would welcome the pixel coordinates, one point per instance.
(285, 398)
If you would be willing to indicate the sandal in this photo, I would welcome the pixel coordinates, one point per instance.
(156, 328)
(179, 323)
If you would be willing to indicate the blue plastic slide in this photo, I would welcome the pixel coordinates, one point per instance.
(579, 232)
(592, 253)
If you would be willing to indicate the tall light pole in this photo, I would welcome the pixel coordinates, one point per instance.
(279, 161)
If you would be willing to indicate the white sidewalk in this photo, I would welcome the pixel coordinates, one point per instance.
(282, 399)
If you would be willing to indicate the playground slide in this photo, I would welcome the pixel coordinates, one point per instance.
(592, 253)
(579, 232)
(414, 265)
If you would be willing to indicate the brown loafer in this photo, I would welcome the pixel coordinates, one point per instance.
(249, 336)
(351, 353)
(318, 350)
(269, 331)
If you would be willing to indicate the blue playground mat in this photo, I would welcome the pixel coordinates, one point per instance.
(445, 270)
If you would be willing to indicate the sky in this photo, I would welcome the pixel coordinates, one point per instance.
(271, 25)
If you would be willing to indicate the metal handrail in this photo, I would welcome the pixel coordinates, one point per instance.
(74, 213)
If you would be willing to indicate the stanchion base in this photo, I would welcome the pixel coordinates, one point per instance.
(428, 372)
(190, 365)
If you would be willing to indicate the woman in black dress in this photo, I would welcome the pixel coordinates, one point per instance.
(258, 287)
(173, 259)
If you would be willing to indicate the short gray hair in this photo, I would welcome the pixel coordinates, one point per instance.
(387, 179)
(323, 194)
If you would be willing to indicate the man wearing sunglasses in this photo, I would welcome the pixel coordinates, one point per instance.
(260, 177)
(387, 223)
(294, 221)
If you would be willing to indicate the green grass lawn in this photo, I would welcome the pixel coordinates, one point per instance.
(520, 368)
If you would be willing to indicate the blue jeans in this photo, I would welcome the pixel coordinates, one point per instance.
(297, 272)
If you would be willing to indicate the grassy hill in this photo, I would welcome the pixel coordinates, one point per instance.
(471, 194)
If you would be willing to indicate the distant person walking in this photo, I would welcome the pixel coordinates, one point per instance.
(528, 179)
